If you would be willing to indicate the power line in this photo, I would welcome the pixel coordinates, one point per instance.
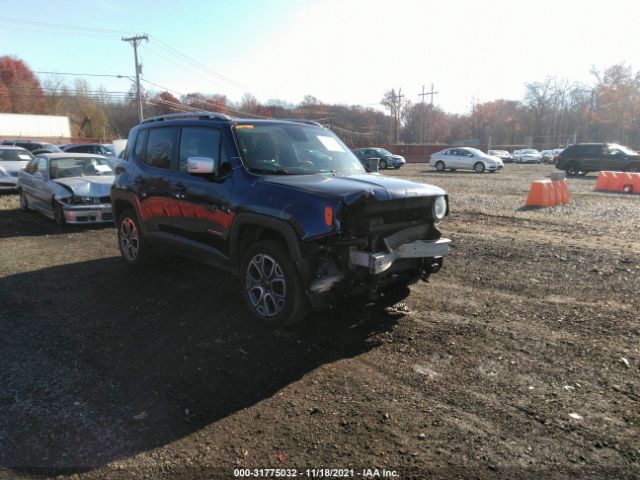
(196, 63)
(90, 30)
(186, 66)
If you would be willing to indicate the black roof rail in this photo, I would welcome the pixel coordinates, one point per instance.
(300, 120)
(186, 115)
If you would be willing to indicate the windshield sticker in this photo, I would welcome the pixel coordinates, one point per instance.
(24, 157)
(102, 168)
(330, 143)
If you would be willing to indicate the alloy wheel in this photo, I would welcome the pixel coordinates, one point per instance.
(129, 239)
(266, 285)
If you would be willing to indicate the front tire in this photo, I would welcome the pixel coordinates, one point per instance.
(478, 167)
(58, 214)
(271, 285)
(134, 248)
(440, 166)
(633, 168)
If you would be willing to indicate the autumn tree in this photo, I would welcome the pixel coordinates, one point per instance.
(19, 87)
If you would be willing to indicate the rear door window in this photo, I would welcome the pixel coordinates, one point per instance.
(161, 147)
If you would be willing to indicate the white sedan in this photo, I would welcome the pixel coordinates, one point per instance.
(528, 155)
(12, 160)
(465, 158)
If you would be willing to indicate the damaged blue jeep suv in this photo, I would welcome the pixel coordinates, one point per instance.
(283, 204)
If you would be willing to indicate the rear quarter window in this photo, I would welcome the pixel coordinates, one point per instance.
(161, 147)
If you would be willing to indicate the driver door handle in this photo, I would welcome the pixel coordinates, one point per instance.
(177, 190)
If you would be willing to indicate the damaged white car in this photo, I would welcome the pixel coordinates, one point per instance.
(70, 188)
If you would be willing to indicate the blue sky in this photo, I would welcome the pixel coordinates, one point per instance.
(344, 51)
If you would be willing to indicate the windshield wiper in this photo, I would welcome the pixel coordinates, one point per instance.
(269, 171)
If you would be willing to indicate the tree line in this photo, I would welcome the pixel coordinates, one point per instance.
(553, 112)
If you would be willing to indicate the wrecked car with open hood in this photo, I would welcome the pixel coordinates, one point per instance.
(285, 205)
(69, 188)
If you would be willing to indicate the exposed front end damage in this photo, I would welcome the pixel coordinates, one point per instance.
(84, 200)
(379, 244)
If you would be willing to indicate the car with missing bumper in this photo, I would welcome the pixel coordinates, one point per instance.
(69, 188)
(301, 230)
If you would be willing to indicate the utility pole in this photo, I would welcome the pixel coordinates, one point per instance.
(135, 41)
(396, 102)
(431, 94)
(422, 95)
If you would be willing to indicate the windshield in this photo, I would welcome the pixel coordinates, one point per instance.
(51, 146)
(476, 152)
(15, 155)
(623, 149)
(80, 167)
(529, 152)
(382, 151)
(294, 150)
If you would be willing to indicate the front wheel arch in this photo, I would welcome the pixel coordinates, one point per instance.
(252, 222)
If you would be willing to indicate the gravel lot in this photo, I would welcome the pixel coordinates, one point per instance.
(520, 359)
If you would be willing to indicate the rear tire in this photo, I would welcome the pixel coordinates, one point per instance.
(478, 167)
(633, 168)
(134, 248)
(383, 164)
(271, 285)
(572, 169)
(24, 202)
(440, 166)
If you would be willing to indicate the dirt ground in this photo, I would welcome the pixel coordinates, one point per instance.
(520, 359)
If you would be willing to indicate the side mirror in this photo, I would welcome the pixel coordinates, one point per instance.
(373, 164)
(201, 165)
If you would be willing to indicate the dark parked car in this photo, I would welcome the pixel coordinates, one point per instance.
(94, 148)
(32, 146)
(583, 158)
(387, 159)
(285, 205)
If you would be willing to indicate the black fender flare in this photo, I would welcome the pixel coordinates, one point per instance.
(258, 220)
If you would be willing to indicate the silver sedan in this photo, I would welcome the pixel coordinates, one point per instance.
(68, 187)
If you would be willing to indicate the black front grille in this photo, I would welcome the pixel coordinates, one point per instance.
(390, 216)
(105, 199)
(107, 216)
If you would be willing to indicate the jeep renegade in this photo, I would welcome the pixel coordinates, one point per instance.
(285, 205)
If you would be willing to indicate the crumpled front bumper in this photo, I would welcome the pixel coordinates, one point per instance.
(379, 262)
(101, 213)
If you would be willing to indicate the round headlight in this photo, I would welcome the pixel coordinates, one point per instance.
(440, 208)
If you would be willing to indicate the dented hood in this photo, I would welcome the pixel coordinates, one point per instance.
(87, 186)
(351, 188)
